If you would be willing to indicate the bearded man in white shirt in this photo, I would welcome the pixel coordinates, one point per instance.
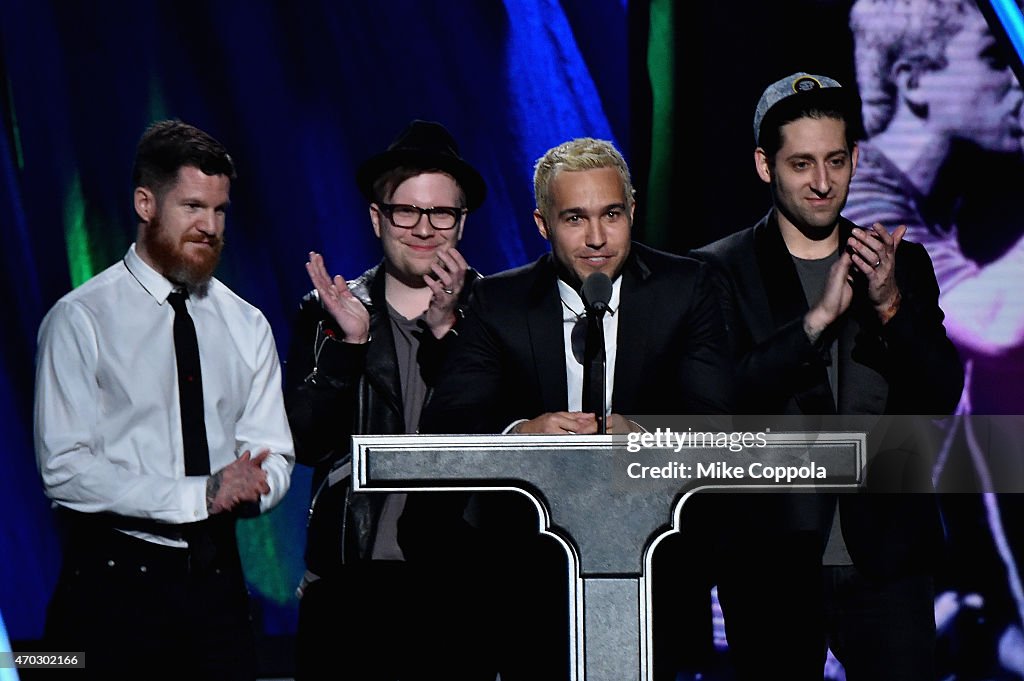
(149, 482)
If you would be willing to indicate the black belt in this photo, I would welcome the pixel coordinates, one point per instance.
(76, 520)
(211, 541)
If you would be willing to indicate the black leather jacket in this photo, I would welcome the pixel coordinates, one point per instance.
(334, 390)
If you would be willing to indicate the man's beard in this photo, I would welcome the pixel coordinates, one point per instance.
(193, 272)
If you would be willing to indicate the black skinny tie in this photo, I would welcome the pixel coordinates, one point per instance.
(190, 388)
(593, 367)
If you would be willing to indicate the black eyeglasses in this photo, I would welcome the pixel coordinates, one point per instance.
(408, 216)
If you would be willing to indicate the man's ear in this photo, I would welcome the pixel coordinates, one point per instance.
(145, 203)
(764, 169)
(542, 225)
(375, 218)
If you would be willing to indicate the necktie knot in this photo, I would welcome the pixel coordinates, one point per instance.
(177, 299)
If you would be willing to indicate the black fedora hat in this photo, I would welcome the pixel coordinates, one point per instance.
(427, 145)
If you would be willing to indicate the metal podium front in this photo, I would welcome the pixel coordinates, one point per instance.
(608, 503)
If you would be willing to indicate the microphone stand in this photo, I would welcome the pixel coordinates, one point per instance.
(602, 425)
(596, 292)
(602, 359)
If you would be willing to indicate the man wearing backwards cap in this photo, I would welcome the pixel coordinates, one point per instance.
(364, 354)
(829, 318)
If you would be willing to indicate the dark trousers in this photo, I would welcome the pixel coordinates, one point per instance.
(881, 630)
(391, 620)
(782, 610)
(771, 598)
(143, 610)
(681, 612)
(529, 610)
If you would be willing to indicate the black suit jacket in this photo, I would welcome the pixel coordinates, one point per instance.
(907, 366)
(509, 363)
(509, 360)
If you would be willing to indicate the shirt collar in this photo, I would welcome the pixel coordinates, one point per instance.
(572, 301)
(156, 284)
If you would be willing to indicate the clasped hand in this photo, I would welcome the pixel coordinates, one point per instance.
(574, 422)
(241, 481)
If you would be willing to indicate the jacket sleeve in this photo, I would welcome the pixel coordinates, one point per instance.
(468, 395)
(928, 374)
(321, 383)
(784, 364)
(706, 368)
(432, 352)
(773, 370)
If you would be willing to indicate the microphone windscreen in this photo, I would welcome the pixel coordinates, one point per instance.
(597, 291)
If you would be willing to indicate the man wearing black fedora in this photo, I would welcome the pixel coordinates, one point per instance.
(363, 357)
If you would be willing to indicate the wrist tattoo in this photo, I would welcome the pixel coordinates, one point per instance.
(212, 488)
(812, 334)
(893, 308)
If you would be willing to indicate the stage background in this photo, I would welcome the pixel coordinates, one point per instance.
(300, 93)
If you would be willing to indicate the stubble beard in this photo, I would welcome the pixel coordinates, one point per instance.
(812, 228)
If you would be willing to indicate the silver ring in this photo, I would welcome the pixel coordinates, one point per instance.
(878, 264)
(448, 291)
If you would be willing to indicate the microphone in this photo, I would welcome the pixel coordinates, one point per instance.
(596, 293)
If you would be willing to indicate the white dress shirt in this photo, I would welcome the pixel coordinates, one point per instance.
(107, 419)
(572, 310)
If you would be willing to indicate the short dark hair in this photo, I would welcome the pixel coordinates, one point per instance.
(837, 103)
(390, 180)
(167, 146)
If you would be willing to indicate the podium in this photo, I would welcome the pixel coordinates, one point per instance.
(608, 503)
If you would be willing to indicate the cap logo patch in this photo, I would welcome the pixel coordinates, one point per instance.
(805, 84)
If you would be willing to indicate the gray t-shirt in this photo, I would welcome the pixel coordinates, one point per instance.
(414, 393)
(407, 345)
(813, 275)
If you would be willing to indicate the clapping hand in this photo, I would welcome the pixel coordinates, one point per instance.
(348, 312)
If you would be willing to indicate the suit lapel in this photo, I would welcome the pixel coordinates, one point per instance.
(636, 310)
(544, 325)
(781, 283)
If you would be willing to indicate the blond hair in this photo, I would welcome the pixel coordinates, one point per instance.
(582, 153)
